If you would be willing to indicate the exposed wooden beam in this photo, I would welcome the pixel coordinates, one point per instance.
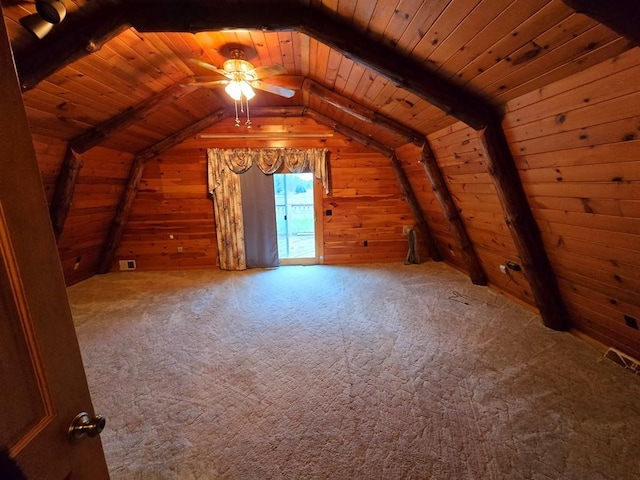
(451, 213)
(179, 137)
(83, 32)
(292, 111)
(91, 27)
(122, 215)
(362, 113)
(197, 16)
(72, 162)
(401, 70)
(131, 115)
(369, 142)
(86, 30)
(125, 205)
(414, 206)
(403, 181)
(524, 229)
(330, 30)
(621, 16)
(63, 194)
(266, 136)
(193, 16)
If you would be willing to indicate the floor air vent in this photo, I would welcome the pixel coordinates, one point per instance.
(624, 360)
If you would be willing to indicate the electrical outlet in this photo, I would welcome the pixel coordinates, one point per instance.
(180, 249)
(127, 264)
(514, 266)
(631, 321)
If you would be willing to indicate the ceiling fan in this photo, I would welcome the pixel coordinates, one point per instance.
(236, 69)
(241, 78)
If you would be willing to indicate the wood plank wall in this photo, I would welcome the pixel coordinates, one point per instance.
(368, 210)
(366, 202)
(49, 153)
(172, 210)
(461, 159)
(98, 189)
(100, 184)
(577, 146)
(409, 155)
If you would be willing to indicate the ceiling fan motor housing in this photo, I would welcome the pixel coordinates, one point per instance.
(235, 65)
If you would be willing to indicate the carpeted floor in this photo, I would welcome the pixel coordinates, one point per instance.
(359, 372)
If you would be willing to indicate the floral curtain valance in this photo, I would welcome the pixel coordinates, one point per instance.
(269, 160)
(224, 187)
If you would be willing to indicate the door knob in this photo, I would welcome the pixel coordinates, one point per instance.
(83, 425)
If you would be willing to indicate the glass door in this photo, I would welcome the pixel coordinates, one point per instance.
(295, 217)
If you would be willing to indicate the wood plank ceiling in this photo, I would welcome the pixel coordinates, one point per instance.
(498, 49)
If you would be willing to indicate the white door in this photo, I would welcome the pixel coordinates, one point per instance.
(42, 380)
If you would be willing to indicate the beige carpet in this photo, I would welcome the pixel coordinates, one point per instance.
(363, 372)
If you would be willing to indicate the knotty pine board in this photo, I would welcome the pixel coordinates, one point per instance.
(502, 34)
(446, 23)
(409, 155)
(466, 31)
(575, 145)
(378, 219)
(514, 284)
(582, 60)
(100, 184)
(546, 49)
(366, 202)
(475, 198)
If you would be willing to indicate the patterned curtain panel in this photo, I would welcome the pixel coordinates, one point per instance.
(269, 160)
(224, 186)
(296, 160)
(317, 159)
(239, 160)
(224, 165)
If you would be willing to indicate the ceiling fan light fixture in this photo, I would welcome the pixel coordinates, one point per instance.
(52, 11)
(234, 89)
(36, 25)
(247, 91)
(241, 80)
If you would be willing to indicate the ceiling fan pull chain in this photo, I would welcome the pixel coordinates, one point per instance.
(235, 104)
(248, 122)
(241, 104)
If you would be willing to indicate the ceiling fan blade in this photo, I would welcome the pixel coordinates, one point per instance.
(278, 90)
(293, 82)
(206, 78)
(208, 66)
(268, 71)
(211, 83)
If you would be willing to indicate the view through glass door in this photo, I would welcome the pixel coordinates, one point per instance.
(295, 218)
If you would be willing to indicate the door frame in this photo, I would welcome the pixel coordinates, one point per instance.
(318, 208)
(41, 307)
(318, 198)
